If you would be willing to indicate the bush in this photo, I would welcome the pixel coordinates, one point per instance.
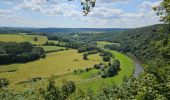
(4, 82)
(68, 88)
(112, 69)
(85, 55)
(53, 92)
(96, 66)
(88, 69)
(106, 58)
(36, 79)
(78, 71)
(35, 38)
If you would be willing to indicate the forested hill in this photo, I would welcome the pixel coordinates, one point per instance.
(10, 30)
(145, 43)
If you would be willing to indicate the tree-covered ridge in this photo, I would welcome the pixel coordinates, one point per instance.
(144, 42)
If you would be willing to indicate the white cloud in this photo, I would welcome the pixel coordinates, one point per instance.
(103, 15)
(52, 8)
(103, 12)
(111, 1)
(111, 17)
(147, 5)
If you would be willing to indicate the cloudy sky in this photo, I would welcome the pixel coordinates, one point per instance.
(60, 13)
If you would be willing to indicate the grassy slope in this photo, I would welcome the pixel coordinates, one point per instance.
(54, 64)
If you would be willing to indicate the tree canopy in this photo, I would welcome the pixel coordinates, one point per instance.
(87, 5)
(163, 10)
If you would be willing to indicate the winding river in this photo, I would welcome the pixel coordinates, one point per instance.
(138, 67)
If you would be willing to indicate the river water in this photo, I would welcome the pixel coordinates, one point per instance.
(138, 67)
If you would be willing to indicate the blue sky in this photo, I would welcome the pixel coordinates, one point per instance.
(60, 13)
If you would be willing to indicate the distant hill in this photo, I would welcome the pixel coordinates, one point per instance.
(11, 30)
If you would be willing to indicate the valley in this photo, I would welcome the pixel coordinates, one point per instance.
(84, 49)
(61, 64)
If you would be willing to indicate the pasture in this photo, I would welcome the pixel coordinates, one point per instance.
(52, 48)
(103, 43)
(11, 38)
(23, 38)
(88, 79)
(30, 38)
(57, 63)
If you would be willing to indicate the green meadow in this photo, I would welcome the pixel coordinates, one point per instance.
(23, 38)
(103, 43)
(11, 38)
(57, 63)
(52, 48)
(30, 38)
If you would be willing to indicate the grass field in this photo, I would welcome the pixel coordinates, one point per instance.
(11, 38)
(30, 38)
(23, 38)
(103, 43)
(51, 48)
(56, 63)
(8, 68)
(89, 74)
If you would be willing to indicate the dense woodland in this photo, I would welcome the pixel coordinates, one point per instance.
(11, 52)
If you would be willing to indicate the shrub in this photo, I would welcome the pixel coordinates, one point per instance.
(68, 88)
(88, 69)
(85, 56)
(35, 38)
(4, 82)
(53, 92)
(106, 58)
(78, 71)
(36, 79)
(112, 69)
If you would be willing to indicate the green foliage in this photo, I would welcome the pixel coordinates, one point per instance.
(106, 55)
(68, 88)
(164, 12)
(112, 69)
(53, 92)
(12, 52)
(153, 84)
(78, 71)
(35, 38)
(4, 82)
(85, 56)
(87, 5)
(112, 46)
(106, 58)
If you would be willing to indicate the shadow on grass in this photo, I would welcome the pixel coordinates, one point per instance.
(8, 71)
